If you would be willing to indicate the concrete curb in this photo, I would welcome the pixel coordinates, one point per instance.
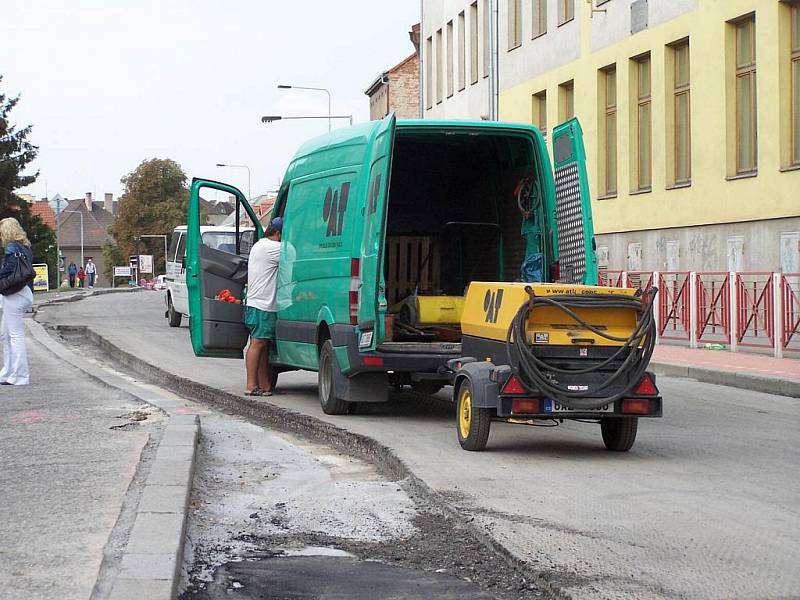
(76, 296)
(151, 562)
(264, 413)
(745, 381)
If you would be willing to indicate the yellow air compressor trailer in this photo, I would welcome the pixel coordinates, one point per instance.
(541, 353)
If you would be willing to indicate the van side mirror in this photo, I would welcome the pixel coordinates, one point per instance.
(183, 262)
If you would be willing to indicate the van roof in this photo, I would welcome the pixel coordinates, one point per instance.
(350, 142)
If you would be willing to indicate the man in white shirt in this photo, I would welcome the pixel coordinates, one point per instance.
(91, 272)
(260, 313)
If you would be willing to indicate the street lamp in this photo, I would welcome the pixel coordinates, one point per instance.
(248, 176)
(273, 118)
(80, 214)
(157, 235)
(316, 89)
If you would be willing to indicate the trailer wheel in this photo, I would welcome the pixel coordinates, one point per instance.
(331, 405)
(472, 423)
(173, 315)
(619, 434)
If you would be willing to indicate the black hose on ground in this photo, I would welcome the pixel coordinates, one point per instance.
(532, 371)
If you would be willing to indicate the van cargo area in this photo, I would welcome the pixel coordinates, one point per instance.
(453, 217)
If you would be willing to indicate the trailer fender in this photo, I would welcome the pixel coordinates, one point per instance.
(484, 390)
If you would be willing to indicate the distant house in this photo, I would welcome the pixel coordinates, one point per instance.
(397, 90)
(216, 212)
(262, 205)
(93, 219)
(42, 210)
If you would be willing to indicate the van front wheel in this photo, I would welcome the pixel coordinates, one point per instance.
(173, 315)
(331, 405)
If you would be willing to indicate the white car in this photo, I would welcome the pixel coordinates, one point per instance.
(218, 237)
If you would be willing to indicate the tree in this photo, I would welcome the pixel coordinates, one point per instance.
(16, 152)
(155, 201)
(112, 256)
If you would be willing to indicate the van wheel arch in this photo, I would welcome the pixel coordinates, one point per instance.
(323, 334)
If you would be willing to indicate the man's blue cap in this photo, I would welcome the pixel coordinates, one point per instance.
(277, 224)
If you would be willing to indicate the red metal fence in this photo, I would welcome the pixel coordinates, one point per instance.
(713, 293)
(755, 306)
(756, 310)
(790, 313)
(610, 278)
(640, 279)
(674, 317)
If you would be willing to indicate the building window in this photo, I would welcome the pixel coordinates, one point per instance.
(439, 66)
(796, 85)
(473, 42)
(608, 130)
(746, 128)
(682, 168)
(539, 18)
(566, 11)
(429, 73)
(449, 58)
(566, 101)
(539, 111)
(514, 24)
(643, 124)
(486, 20)
(462, 52)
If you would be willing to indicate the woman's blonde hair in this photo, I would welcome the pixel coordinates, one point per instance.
(12, 231)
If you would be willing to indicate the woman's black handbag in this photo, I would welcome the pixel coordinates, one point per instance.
(21, 276)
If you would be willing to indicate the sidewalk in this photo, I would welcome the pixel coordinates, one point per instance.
(738, 369)
(70, 451)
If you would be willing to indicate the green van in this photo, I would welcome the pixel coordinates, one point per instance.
(385, 225)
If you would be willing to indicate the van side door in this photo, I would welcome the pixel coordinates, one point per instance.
(575, 232)
(372, 289)
(217, 327)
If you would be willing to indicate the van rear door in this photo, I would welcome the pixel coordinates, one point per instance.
(575, 235)
(217, 328)
(372, 289)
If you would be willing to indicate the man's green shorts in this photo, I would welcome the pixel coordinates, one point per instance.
(261, 323)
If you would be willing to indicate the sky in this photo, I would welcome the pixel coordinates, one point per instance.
(107, 84)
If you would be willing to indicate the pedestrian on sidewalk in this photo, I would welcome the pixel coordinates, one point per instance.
(72, 271)
(81, 277)
(16, 301)
(260, 313)
(91, 272)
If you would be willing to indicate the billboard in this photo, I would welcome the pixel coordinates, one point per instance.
(41, 280)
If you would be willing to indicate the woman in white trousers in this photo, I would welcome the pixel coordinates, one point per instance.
(12, 331)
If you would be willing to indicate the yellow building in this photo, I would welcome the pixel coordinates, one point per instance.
(691, 117)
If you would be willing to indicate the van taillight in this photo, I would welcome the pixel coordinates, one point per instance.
(555, 272)
(355, 288)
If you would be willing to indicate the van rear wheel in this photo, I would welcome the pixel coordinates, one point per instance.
(331, 405)
(173, 315)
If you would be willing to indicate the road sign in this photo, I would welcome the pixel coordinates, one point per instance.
(122, 271)
(41, 280)
(133, 261)
(145, 263)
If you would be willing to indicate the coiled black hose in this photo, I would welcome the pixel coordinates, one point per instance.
(532, 371)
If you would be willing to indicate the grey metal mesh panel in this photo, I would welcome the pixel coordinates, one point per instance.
(569, 216)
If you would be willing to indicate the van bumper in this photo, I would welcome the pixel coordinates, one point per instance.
(399, 362)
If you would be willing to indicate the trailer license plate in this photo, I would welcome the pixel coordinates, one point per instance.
(552, 406)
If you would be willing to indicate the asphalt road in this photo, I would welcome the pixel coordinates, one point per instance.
(704, 506)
